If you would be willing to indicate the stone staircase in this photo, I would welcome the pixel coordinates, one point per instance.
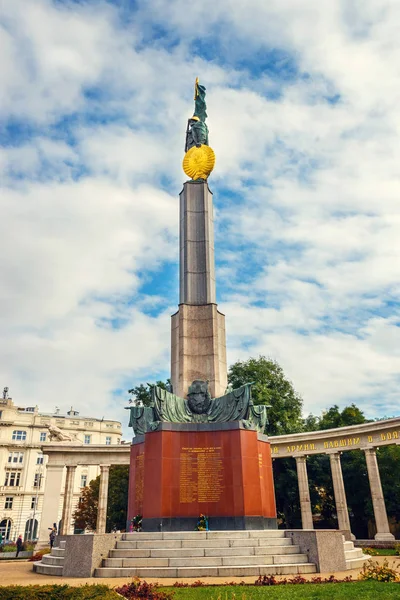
(205, 554)
(355, 557)
(51, 564)
(201, 554)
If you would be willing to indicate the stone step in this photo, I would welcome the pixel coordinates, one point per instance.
(193, 552)
(357, 563)
(348, 545)
(62, 544)
(288, 549)
(58, 552)
(201, 572)
(44, 569)
(355, 553)
(205, 561)
(48, 559)
(203, 543)
(198, 535)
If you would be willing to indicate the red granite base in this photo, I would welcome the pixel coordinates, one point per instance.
(225, 474)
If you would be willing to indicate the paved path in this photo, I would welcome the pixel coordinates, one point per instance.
(20, 573)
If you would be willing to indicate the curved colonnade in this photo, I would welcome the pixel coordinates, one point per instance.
(366, 437)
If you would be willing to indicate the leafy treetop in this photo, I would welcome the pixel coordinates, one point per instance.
(141, 394)
(273, 388)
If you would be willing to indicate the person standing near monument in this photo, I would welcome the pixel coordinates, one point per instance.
(52, 536)
(20, 543)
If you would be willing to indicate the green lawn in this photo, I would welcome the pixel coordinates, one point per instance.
(384, 552)
(363, 590)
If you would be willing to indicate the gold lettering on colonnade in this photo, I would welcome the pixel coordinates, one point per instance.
(349, 443)
(201, 475)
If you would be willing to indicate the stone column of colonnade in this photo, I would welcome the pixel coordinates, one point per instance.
(68, 501)
(103, 499)
(340, 493)
(304, 493)
(378, 501)
(51, 501)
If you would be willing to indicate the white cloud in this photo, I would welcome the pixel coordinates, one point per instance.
(309, 244)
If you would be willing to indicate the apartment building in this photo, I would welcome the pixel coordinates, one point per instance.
(23, 437)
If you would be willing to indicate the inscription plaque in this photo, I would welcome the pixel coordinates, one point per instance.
(201, 475)
(139, 481)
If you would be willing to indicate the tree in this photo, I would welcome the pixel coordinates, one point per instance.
(273, 388)
(333, 417)
(85, 515)
(142, 394)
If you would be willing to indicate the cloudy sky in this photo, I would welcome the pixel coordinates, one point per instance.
(303, 102)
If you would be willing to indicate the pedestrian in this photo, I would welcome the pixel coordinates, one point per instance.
(19, 545)
(52, 536)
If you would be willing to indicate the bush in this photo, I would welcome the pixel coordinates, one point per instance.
(57, 592)
(144, 590)
(11, 547)
(397, 549)
(29, 546)
(269, 580)
(39, 554)
(374, 571)
(371, 551)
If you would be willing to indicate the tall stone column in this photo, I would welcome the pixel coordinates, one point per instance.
(198, 343)
(103, 499)
(378, 501)
(304, 493)
(68, 500)
(339, 491)
(51, 501)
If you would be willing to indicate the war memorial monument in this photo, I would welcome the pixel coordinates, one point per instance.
(201, 448)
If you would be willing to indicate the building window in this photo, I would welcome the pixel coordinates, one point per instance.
(19, 435)
(39, 460)
(9, 503)
(87, 439)
(31, 528)
(12, 479)
(43, 436)
(108, 440)
(33, 503)
(16, 457)
(5, 528)
(83, 481)
(38, 480)
(1, 414)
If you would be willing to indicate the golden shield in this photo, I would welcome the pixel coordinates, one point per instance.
(199, 162)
